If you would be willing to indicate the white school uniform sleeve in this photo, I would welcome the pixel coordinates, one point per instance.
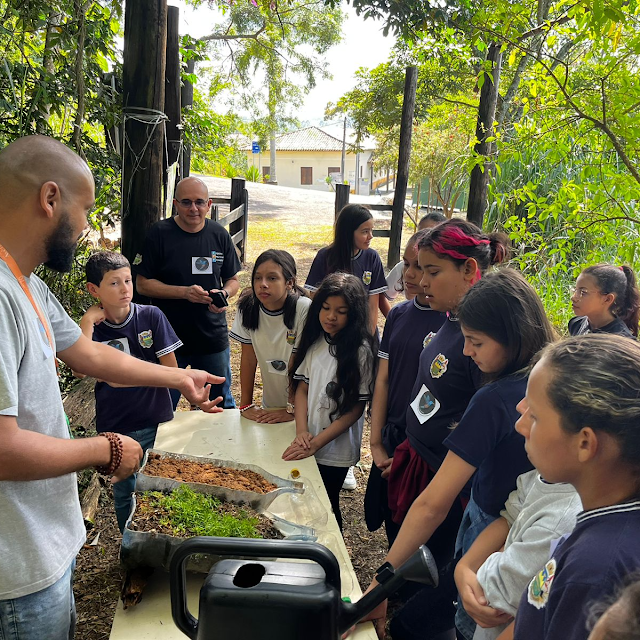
(302, 311)
(302, 372)
(238, 332)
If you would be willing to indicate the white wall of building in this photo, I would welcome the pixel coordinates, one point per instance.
(289, 166)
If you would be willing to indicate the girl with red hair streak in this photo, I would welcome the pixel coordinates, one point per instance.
(452, 256)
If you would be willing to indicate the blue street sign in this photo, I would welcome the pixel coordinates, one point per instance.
(255, 147)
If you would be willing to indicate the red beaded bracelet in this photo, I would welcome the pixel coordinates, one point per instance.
(116, 454)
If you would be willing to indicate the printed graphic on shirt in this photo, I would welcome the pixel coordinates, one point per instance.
(277, 366)
(439, 366)
(217, 257)
(425, 405)
(201, 265)
(291, 336)
(145, 338)
(428, 338)
(366, 277)
(137, 260)
(540, 586)
(326, 397)
(121, 344)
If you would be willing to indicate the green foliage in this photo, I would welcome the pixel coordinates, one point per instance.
(273, 53)
(196, 514)
(253, 174)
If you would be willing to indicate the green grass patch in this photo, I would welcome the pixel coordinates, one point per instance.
(189, 513)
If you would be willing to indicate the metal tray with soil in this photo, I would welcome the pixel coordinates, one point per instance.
(225, 479)
(161, 521)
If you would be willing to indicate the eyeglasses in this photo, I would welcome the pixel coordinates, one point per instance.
(200, 203)
(578, 293)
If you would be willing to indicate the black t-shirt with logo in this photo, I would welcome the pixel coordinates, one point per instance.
(206, 258)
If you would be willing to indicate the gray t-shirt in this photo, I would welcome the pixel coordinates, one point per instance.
(41, 527)
(538, 513)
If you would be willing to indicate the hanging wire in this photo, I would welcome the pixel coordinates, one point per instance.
(151, 118)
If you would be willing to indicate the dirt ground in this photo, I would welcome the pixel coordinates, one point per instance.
(300, 222)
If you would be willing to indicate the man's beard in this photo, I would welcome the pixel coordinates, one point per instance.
(61, 247)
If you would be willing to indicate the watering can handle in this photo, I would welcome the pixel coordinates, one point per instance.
(239, 547)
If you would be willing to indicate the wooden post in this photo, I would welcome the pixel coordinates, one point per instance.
(342, 197)
(186, 100)
(402, 179)
(143, 78)
(172, 87)
(480, 176)
(245, 223)
(239, 197)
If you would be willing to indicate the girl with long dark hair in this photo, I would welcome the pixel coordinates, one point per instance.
(350, 252)
(268, 324)
(331, 376)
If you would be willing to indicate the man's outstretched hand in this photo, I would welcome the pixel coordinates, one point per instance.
(195, 389)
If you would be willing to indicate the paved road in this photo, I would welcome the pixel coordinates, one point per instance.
(294, 206)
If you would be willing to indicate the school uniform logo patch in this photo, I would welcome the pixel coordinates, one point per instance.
(425, 405)
(366, 277)
(291, 337)
(145, 338)
(439, 366)
(540, 586)
(201, 265)
(428, 338)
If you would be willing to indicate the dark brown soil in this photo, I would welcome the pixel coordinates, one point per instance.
(149, 516)
(205, 473)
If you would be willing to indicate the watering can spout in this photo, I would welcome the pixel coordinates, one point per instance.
(420, 567)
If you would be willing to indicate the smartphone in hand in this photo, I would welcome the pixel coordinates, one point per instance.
(218, 299)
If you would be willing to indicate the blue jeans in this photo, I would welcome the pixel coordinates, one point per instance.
(122, 490)
(49, 614)
(474, 521)
(219, 364)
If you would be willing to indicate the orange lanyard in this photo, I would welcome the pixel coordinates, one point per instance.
(15, 269)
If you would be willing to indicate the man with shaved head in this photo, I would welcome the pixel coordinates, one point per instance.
(46, 192)
(186, 261)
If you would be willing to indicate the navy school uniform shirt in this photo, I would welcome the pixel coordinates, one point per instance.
(145, 334)
(365, 265)
(486, 439)
(579, 326)
(587, 567)
(446, 382)
(176, 257)
(408, 328)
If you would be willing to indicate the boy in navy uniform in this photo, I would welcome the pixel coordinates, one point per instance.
(142, 331)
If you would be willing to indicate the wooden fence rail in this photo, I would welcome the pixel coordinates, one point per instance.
(238, 217)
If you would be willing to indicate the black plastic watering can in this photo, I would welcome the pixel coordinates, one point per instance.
(267, 600)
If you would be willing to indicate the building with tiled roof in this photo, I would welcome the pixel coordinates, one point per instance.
(307, 157)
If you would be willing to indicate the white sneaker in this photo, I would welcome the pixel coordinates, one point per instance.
(350, 481)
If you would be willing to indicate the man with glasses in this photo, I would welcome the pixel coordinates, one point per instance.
(186, 261)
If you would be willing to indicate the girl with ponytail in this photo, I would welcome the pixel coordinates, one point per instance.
(605, 300)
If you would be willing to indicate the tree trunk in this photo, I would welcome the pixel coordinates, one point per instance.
(402, 175)
(145, 40)
(480, 175)
(89, 501)
(186, 100)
